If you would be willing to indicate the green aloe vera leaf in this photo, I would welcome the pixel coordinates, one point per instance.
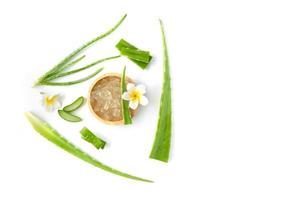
(72, 82)
(124, 44)
(80, 69)
(135, 54)
(67, 59)
(161, 145)
(74, 105)
(53, 136)
(90, 137)
(125, 104)
(70, 64)
(68, 116)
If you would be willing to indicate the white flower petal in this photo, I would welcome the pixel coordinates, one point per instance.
(126, 96)
(141, 88)
(144, 101)
(57, 102)
(58, 98)
(133, 104)
(43, 98)
(43, 101)
(49, 108)
(56, 105)
(130, 87)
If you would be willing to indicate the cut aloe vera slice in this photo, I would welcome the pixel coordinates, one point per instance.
(122, 44)
(75, 105)
(68, 117)
(90, 137)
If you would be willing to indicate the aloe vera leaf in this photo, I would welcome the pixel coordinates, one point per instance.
(68, 116)
(70, 64)
(161, 145)
(48, 77)
(90, 137)
(139, 55)
(72, 82)
(53, 136)
(80, 69)
(125, 104)
(67, 59)
(124, 44)
(74, 105)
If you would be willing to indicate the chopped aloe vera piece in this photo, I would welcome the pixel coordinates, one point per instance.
(75, 105)
(161, 146)
(125, 104)
(124, 44)
(139, 63)
(135, 54)
(45, 130)
(68, 117)
(88, 136)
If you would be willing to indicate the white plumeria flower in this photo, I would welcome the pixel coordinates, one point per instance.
(51, 102)
(135, 95)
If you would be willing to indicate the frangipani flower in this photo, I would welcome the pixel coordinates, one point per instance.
(135, 95)
(51, 102)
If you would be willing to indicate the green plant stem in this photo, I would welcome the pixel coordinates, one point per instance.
(80, 69)
(45, 130)
(161, 145)
(125, 104)
(72, 82)
(67, 59)
(71, 64)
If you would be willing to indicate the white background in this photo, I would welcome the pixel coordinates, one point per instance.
(236, 102)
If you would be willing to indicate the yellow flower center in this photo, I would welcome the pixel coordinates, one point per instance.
(50, 100)
(135, 95)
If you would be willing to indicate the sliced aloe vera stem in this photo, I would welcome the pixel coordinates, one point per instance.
(161, 145)
(68, 116)
(142, 65)
(45, 130)
(90, 137)
(124, 44)
(72, 82)
(67, 59)
(135, 54)
(75, 105)
(125, 104)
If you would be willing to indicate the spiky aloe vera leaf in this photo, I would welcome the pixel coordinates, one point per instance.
(53, 136)
(162, 142)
